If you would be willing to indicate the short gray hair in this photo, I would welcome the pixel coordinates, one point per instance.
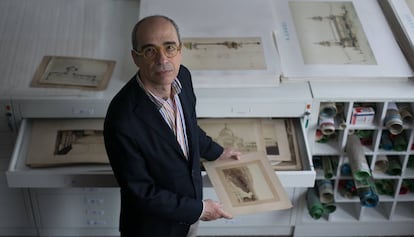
(135, 29)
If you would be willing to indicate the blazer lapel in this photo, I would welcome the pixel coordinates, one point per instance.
(146, 111)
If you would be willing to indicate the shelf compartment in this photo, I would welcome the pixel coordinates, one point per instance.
(345, 212)
(404, 211)
(381, 212)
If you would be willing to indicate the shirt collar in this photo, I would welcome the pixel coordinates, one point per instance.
(175, 87)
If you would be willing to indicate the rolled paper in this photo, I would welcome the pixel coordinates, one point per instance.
(327, 167)
(365, 136)
(346, 169)
(403, 189)
(357, 160)
(381, 163)
(328, 109)
(319, 137)
(317, 163)
(385, 186)
(405, 112)
(340, 121)
(409, 183)
(367, 194)
(327, 125)
(364, 133)
(368, 197)
(399, 142)
(325, 189)
(386, 142)
(393, 119)
(346, 188)
(394, 166)
(315, 208)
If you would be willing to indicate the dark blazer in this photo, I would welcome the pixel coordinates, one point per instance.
(161, 191)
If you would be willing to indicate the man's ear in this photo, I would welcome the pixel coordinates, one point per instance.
(135, 57)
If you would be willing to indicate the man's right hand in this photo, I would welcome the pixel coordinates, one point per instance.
(213, 211)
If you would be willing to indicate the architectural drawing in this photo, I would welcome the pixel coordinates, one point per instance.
(275, 137)
(223, 53)
(331, 33)
(72, 72)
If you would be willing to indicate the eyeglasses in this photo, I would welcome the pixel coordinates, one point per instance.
(149, 52)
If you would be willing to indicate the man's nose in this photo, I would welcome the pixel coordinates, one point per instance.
(161, 56)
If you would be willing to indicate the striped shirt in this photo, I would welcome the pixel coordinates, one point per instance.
(172, 112)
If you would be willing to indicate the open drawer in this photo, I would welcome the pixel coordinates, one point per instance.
(20, 174)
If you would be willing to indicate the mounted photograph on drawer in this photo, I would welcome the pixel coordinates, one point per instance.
(275, 137)
(73, 73)
(66, 142)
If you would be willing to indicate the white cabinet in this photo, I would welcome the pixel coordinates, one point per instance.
(16, 213)
(389, 159)
(267, 223)
(76, 211)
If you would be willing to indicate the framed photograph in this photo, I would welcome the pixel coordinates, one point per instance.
(248, 185)
(73, 72)
(66, 142)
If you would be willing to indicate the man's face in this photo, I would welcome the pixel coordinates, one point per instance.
(160, 69)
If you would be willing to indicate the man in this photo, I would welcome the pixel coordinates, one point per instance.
(154, 143)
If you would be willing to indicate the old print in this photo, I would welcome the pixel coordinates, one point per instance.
(275, 137)
(223, 53)
(66, 142)
(72, 72)
(70, 142)
(245, 185)
(331, 33)
(248, 185)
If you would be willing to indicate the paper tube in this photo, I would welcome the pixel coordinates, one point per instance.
(346, 169)
(393, 119)
(381, 163)
(327, 167)
(328, 109)
(394, 166)
(399, 142)
(325, 189)
(327, 125)
(367, 194)
(315, 208)
(405, 112)
(385, 187)
(357, 160)
(347, 188)
(386, 142)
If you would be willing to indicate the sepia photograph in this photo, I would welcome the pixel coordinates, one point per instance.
(73, 72)
(248, 185)
(275, 137)
(66, 142)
